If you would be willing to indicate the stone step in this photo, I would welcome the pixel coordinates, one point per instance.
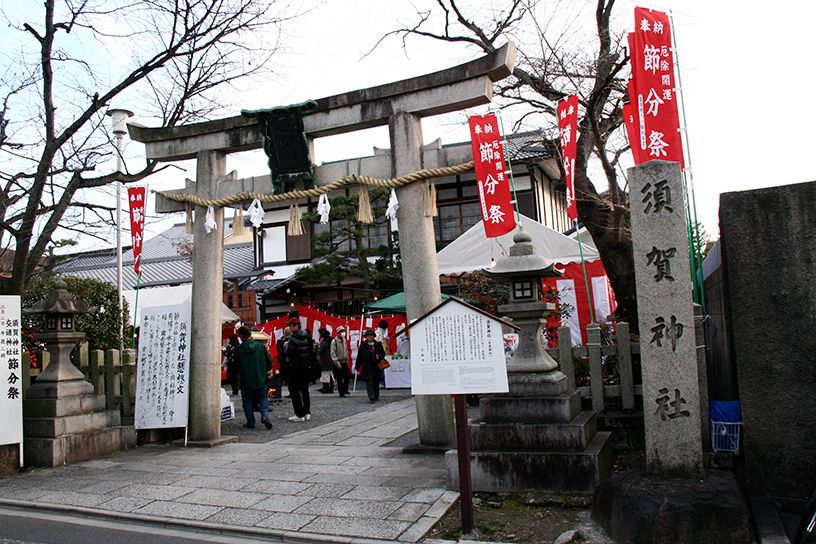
(64, 450)
(572, 436)
(550, 409)
(64, 406)
(44, 427)
(496, 471)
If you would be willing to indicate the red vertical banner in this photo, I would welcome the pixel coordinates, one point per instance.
(491, 176)
(653, 74)
(568, 127)
(136, 199)
(632, 132)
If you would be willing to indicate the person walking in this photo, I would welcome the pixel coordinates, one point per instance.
(232, 362)
(324, 358)
(338, 351)
(300, 353)
(367, 365)
(255, 366)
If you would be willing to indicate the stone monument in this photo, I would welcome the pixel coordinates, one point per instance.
(668, 350)
(536, 436)
(64, 421)
(674, 500)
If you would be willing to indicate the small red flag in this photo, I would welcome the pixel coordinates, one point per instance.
(491, 175)
(568, 126)
(655, 105)
(137, 198)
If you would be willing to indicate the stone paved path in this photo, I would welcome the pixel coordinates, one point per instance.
(337, 482)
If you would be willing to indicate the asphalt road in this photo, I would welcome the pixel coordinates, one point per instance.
(18, 527)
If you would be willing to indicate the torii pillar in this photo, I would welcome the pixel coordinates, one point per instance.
(400, 105)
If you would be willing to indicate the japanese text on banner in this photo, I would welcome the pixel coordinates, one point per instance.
(491, 176)
(653, 75)
(136, 198)
(568, 126)
(11, 372)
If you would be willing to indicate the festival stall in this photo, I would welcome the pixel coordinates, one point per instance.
(312, 319)
(473, 251)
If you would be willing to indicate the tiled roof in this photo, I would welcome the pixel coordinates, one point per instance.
(161, 263)
(522, 146)
(527, 146)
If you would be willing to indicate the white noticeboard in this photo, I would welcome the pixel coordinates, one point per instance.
(11, 374)
(457, 349)
(163, 368)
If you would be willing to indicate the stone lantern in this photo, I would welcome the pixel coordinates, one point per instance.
(531, 370)
(64, 421)
(60, 377)
(537, 436)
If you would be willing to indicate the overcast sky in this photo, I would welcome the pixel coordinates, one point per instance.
(746, 71)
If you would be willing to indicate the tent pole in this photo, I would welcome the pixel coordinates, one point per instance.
(583, 266)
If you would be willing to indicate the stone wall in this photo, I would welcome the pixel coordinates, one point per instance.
(768, 250)
(9, 459)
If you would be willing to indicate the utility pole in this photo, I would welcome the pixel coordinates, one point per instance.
(119, 118)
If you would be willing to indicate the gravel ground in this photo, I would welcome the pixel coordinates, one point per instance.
(325, 409)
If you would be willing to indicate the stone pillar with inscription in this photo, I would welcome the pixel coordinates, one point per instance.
(671, 396)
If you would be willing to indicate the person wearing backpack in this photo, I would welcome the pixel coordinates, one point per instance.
(300, 356)
(255, 366)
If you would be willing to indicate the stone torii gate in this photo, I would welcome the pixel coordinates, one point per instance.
(401, 105)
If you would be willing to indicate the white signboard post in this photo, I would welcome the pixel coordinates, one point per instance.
(457, 349)
(11, 373)
(163, 371)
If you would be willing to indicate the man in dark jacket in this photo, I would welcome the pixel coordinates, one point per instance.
(369, 355)
(300, 353)
(255, 365)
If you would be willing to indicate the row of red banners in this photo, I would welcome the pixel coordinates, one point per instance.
(312, 319)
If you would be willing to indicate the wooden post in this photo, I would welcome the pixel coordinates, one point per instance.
(596, 384)
(25, 370)
(128, 382)
(463, 454)
(565, 355)
(95, 360)
(111, 360)
(625, 366)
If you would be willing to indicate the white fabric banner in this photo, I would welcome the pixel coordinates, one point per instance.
(163, 370)
(11, 386)
(398, 375)
(566, 294)
(600, 296)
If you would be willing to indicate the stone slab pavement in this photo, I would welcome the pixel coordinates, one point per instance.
(338, 482)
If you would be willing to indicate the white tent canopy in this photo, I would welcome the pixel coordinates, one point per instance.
(473, 250)
(164, 296)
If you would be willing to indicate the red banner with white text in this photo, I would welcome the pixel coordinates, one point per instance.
(568, 126)
(491, 176)
(136, 199)
(655, 106)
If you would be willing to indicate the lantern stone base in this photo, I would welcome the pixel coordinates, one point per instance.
(534, 442)
(61, 430)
